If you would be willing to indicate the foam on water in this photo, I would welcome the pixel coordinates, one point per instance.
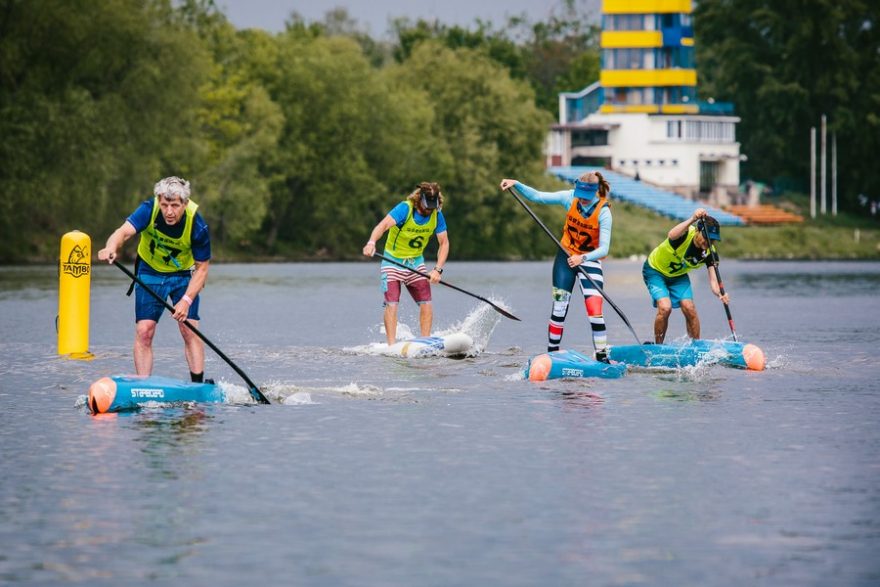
(479, 324)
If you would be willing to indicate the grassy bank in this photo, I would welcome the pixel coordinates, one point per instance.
(636, 232)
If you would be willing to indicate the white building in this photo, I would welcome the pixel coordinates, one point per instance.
(642, 117)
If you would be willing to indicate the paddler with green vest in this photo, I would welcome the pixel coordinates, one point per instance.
(411, 224)
(665, 272)
(173, 257)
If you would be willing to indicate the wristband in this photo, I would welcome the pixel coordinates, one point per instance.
(187, 299)
(371, 243)
(438, 269)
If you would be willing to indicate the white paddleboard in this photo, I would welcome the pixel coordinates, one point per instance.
(447, 345)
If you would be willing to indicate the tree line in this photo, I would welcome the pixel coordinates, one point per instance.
(297, 142)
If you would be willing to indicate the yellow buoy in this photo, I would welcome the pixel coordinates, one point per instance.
(74, 285)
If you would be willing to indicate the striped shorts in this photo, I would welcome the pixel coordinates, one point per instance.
(393, 276)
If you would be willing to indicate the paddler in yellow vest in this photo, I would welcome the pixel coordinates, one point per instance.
(586, 238)
(173, 257)
(665, 272)
(411, 224)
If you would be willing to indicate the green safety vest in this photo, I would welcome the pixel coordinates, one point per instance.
(672, 262)
(166, 254)
(410, 239)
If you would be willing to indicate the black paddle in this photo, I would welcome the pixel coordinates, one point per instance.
(714, 254)
(255, 393)
(501, 311)
(581, 269)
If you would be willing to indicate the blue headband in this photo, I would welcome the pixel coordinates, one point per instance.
(584, 190)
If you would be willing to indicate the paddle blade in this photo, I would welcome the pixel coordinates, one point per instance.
(505, 313)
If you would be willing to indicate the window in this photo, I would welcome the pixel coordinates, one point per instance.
(589, 138)
(624, 58)
(624, 22)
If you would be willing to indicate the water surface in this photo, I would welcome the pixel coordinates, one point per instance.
(371, 470)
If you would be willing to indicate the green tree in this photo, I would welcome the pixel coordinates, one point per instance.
(490, 124)
(348, 140)
(93, 96)
(240, 127)
(783, 73)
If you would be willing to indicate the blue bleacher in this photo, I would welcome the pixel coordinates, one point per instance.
(663, 202)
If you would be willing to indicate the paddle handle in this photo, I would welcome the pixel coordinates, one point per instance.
(252, 388)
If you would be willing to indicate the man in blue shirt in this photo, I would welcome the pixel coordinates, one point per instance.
(173, 257)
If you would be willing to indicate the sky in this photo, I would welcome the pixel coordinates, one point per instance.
(375, 15)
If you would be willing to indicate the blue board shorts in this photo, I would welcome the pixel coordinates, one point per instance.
(146, 307)
(659, 286)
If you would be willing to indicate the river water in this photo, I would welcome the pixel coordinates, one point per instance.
(370, 470)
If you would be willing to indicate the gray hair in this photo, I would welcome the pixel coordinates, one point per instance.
(171, 188)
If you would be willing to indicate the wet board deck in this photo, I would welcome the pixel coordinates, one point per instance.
(675, 356)
(448, 345)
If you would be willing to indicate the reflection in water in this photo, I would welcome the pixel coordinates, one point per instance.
(169, 434)
(813, 284)
(686, 395)
(582, 399)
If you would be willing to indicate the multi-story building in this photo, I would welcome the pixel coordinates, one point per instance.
(642, 117)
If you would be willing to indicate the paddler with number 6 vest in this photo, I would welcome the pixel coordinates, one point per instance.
(173, 257)
(665, 272)
(586, 238)
(411, 224)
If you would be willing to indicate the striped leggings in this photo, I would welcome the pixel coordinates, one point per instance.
(563, 283)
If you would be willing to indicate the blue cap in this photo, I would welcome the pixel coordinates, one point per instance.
(713, 229)
(585, 190)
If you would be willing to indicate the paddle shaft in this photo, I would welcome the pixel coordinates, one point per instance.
(580, 268)
(501, 311)
(714, 254)
(255, 393)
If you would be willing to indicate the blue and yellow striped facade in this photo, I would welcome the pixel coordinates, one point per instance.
(648, 57)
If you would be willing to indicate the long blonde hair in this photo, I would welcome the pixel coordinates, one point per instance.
(428, 188)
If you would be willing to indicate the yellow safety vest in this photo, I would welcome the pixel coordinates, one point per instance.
(410, 239)
(167, 254)
(672, 262)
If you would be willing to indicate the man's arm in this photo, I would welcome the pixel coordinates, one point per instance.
(679, 230)
(716, 287)
(377, 233)
(116, 240)
(196, 285)
(442, 255)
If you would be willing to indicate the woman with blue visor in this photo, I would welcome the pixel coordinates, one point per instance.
(586, 238)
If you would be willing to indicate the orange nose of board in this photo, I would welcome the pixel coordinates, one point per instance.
(540, 367)
(754, 357)
(101, 395)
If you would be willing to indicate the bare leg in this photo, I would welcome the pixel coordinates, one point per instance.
(690, 318)
(661, 321)
(426, 317)
(390, 318)
(193, 348)
(143, 346)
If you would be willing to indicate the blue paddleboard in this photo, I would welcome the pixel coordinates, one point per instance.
(127, 392)
(674, 356)
(562, 364)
